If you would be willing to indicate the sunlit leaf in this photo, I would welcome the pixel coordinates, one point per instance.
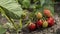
(42, 2)
(14, 9)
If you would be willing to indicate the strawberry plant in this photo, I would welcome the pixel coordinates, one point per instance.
(29, 10)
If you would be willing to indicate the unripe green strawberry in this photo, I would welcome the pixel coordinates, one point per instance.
(39, 15)
(45, 24)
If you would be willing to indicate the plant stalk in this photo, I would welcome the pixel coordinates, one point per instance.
(8, 18)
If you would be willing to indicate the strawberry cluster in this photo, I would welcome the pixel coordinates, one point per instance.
(48, 20)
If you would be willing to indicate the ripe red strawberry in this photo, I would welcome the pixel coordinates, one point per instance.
(47, 13)
(50, 21)
(39, 23)
(32, 26)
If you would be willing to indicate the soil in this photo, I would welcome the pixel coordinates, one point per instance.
(50, 30)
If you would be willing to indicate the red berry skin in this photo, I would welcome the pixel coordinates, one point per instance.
(39, 23)
(32, 26)
(47, 13)
(50, 21)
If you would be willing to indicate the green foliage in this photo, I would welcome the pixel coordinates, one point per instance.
(26, 3)
(2, 30)
(14, 9)
(42, 2)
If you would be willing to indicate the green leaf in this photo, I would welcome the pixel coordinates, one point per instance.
(14, 9)
(26, 3)
(42, 2)
(48, 2)
(33, 6)
(2, 30)
(20, 1)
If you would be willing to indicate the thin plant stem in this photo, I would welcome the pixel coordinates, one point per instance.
(8, 18)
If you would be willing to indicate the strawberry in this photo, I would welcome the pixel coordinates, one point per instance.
(47, 13)
(45, 24)
(39, 15)
(31, 26)
(39, 23)
(50, 21)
